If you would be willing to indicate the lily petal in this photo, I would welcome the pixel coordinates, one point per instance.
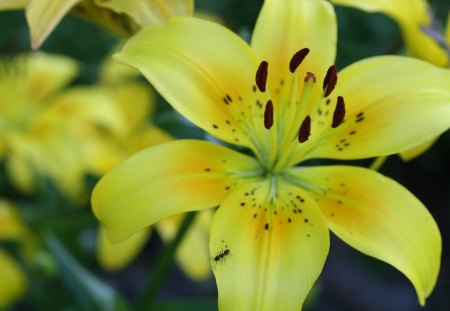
(11, 226)
(412, 16)
(410, 154)
(149, 12)
(389, 110)
(285, 27)
(276, 247)
(12, 4)
(202, 69)
(43, 16)
(46, 152)
(165, 180)
(380, 218)
(116, 256)
(88, 105)
(45, 73)
(12, 282)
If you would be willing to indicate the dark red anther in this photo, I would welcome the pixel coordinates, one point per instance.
(297, 59)
(261, 76)
(339, 112)
(330, 81)
(268, 115)
(305, 130)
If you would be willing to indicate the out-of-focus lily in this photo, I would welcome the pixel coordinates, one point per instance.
(282, 99)
(423, 36)
(121, 17)
(32, 144)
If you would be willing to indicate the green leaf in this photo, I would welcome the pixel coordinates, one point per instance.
(90, 292)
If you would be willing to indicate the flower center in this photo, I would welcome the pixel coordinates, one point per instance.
(299, 119)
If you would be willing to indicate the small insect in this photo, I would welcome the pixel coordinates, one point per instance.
(221, 255)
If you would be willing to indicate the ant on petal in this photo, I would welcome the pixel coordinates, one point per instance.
(221, 255)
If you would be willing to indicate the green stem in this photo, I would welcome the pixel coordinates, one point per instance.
(378, 163)
(163, 265)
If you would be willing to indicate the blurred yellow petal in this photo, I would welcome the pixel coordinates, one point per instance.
(380, 218)
(149, 12)
(204, 70)
(144, 137)
(43, 16)
(416, 151)
(386, 107)
(88, 105)
(421, 45)
(11, 226)
(400, 10)
(100, 151)
(413, 17)
(49, 153)
(21, 172)
(114, 257)
(136, 102)
(277, 241)
(113, 72)
(13, 4)
(12, 282)
(192, 254)
(119, 24)
(44, 74)
(285, 27)
(164, 180)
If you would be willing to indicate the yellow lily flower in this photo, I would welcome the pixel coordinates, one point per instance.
(281, 98)
(416, 23)
(120, 17)
(421, 39)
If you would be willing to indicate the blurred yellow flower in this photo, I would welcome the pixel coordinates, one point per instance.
(282, 99)
(415, 18)
(121, 17)
(32, 144)
(423, 38)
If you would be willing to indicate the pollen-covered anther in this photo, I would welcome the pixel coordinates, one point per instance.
(268, 115)
(297, 59)
(261, 76)
(310, 76)
(339, 112)
(330, 81)
(305, 130)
